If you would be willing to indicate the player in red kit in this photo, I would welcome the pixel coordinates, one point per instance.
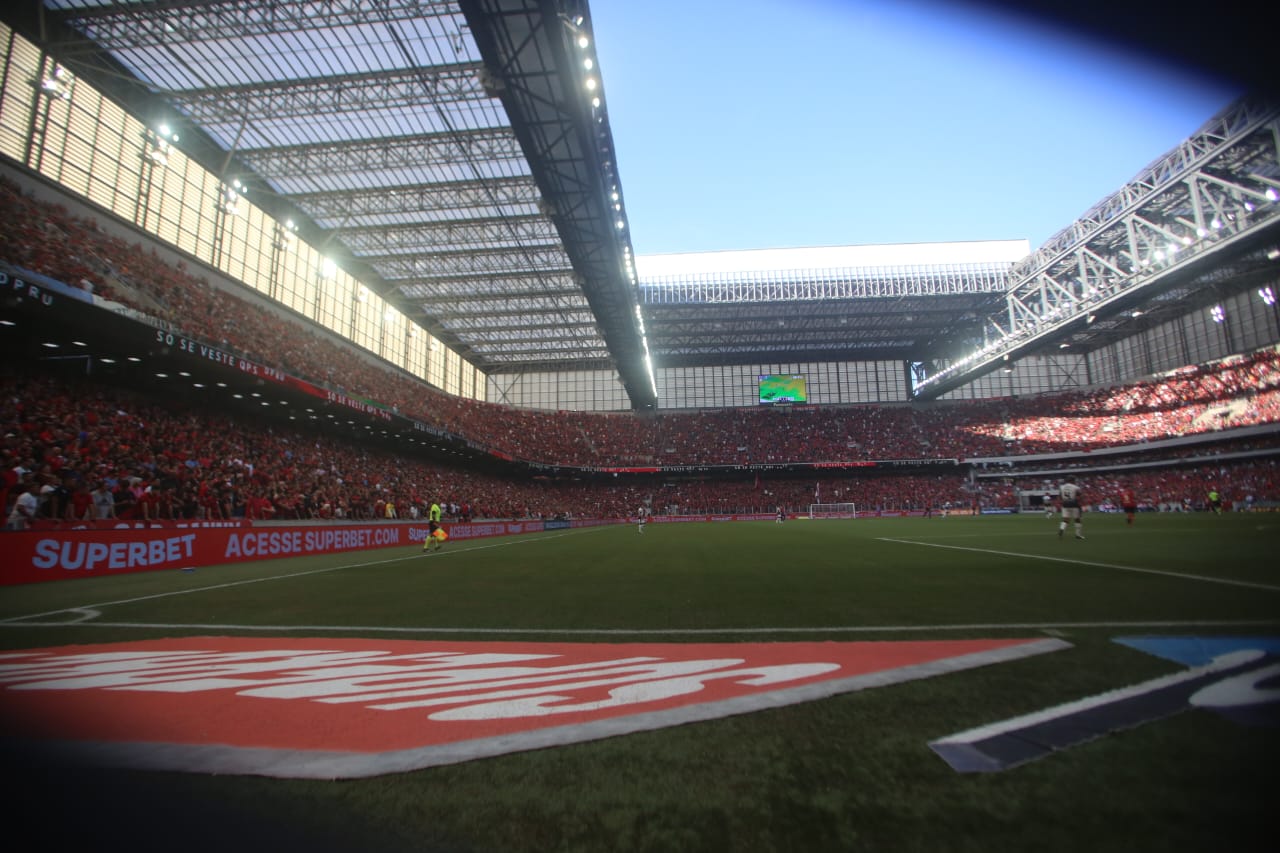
(1129, 504)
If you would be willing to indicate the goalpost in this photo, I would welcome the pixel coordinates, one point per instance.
(846, 510)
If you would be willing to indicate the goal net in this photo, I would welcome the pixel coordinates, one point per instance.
(833, 511)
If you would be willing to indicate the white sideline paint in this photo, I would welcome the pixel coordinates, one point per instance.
(1115, 566)
(1053, 628)
(1227, 661)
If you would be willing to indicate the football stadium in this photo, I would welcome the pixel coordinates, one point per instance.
(366, 490)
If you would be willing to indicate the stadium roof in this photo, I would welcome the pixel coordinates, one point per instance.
(778, 306)
(456, 156)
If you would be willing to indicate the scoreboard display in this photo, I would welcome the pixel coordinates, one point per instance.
(782, 388)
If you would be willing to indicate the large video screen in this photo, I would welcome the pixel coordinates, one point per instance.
(778, 388)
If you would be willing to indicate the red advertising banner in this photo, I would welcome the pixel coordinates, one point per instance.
(59, 554)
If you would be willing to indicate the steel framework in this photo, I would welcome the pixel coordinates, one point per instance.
(1202, 220)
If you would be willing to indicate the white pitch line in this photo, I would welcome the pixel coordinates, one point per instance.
(1117, 567)
(661, 632)
(1040, 534)
(229, 584)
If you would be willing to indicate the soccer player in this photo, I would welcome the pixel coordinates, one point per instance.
(642, 515)
(781, 516)
(1129, 504)
(1070, 494)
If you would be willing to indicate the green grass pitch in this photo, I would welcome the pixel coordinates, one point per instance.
(853, 772)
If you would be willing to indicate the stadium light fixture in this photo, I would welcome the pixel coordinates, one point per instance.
(1217, 314)
(158, 151)
(57, 83)
(1267, 295)
(230, 196)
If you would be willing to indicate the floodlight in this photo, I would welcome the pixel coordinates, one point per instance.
(57, 83)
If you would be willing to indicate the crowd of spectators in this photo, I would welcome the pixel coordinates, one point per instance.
(158, 460)
(177, 464)
(1241, 484)
(98, 452)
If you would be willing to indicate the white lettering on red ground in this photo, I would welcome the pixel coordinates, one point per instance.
(346, 707)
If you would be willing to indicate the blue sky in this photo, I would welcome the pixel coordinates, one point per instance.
(785, 123)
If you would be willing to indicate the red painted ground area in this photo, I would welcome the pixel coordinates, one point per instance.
(384, 695)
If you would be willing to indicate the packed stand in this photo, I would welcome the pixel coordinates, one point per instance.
(1238, 392)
